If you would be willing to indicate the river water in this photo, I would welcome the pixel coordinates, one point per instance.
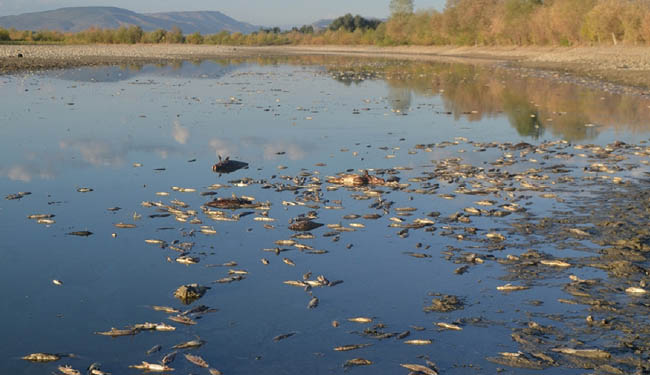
(136, 134)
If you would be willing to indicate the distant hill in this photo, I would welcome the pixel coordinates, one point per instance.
(81, 18)
(322, 24)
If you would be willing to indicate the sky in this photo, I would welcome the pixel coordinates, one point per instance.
(258, 12)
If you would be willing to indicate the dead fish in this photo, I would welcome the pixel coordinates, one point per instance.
(153, 367)
(169, 310)
(585, 353)
(18, 195)
(40, 216)
(404, 335)
(68, 370)
(264, 261)
(448, 326)
(300, 284)
(237, 272)
(357, 362)
(579, 232)
(57, 282)
(95, 369)
(263, 218)
(45, 221)
(186, 259)
(83, 233)
(182, 319)
(189, 344)
(419, 368)
(164, 327)
(511, 288)
(114, 332)
(360, 319)
(42, 357)
(555, 263)
(635, 290)
(168, 358)
(125, 226)
(283, 336)
(495, 236)
(230, 279)
(418, 342)
(288, 261)
(417, 255)
(313, 303)
(195, 359)
(213, 371)
(154, 349)
(154, 241)
(346, 348)
(285, 242)
(304, 225)
(113, 209)
(84, 190)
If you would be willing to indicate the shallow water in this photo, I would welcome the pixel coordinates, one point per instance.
(87, 127)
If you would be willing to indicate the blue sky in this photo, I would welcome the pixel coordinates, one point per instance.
(259, 12)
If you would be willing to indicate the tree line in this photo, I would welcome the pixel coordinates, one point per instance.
(462, 22)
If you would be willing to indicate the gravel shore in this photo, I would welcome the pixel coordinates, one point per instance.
(623, 65)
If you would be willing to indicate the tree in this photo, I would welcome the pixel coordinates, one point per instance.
(4, 35)
(175, 35)
(401, 7)
(195, 38)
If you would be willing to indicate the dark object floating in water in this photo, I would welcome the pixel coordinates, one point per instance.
(233, 203)
(18, 195)
(83, 233)
(304, 225)
(190, 293)
(228, 166)
(356, 180)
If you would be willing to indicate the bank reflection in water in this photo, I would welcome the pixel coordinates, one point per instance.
(532, 105)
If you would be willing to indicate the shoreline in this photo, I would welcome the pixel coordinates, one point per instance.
(626, 68)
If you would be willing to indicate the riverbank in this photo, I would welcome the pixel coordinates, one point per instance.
(628, 66)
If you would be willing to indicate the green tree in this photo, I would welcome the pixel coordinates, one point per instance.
(195, 38)
(401, 7)
(4, 35)
(175, 35)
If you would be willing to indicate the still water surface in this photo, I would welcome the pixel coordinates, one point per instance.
(87, 127)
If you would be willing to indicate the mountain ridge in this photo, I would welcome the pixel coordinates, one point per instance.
(74, 19)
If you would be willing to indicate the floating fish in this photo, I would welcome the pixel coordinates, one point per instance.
(189, 344)
(125, 226)
(360, 319)
(511, 288)
(283, 336)
(83, 233)
(154, 349)
(42, 357)
(114, 332)
(419, 369)
(195, 359)
(346, 348)
(357, 362)
(153, 367)
(68, 370)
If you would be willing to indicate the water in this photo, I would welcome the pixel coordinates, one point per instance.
(87, 127)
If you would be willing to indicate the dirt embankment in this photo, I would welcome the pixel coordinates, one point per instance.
(624, 65)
